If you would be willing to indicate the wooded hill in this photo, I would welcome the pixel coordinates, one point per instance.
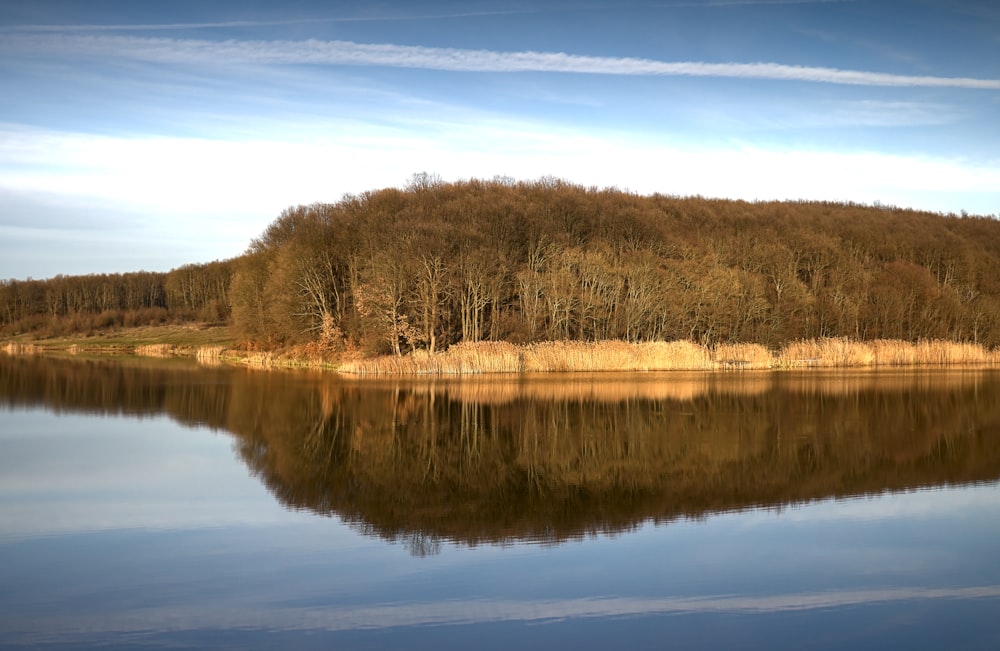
(439, 263)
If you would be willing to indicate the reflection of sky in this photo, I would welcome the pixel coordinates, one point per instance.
(75, 473)
(114, 528)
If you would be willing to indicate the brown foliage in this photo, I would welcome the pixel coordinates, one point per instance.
(435, 264)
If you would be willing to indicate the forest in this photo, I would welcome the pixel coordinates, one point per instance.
(434, 264)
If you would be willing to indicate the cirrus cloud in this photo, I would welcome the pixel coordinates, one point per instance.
(317, 52)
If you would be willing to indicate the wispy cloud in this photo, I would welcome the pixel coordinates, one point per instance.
(876, 113)
(166, 27)
(316, 52)
(399, 17)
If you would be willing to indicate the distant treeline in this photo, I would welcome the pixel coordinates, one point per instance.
(72, 304)
(438, 263)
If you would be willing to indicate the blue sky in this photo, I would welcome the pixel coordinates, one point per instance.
(140, 135)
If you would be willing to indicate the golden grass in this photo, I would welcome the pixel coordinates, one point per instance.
(579, 356)
(947, 352)
(882, 352)
(549, 356)
(743, 356)
(155, 350)
(671, 356)
(460, 359)
(483, 357)
(600, 356)
(825, 353)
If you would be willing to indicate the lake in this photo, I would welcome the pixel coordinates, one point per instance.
(167, 505)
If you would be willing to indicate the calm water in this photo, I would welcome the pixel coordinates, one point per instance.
(168, 506)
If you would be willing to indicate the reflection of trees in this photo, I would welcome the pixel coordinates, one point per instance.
(552, 458)
(400, 459)
(191, 394)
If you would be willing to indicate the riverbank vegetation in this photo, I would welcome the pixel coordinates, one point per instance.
(572, 356)
(475, 267)
(184, 340)
(214, 345)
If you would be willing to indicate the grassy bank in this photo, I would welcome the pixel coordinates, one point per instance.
(216, 345)
(145, 341)
(208, 344)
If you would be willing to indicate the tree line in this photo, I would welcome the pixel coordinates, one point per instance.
(434, 263)
(70, 304)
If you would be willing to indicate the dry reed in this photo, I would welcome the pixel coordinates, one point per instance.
(564, 356)
(950, 352)
(827, 353)
(743, 356)
(615, 355)
(460, 359)
(890, 352)
(933, 352)
(155, 350)
(882, 352)
(484, 357)
(680, 355)
(579, 356)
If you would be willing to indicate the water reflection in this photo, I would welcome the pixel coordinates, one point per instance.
(554, 457)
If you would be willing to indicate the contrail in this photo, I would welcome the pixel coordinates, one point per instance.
(317, 52)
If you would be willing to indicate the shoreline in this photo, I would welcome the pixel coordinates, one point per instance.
(483, 358)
